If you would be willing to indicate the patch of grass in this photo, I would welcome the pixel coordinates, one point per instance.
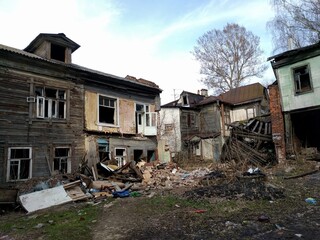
(71, 223)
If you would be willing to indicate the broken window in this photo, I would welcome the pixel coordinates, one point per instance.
(104, 153)
(168, 127)
(227, 119)
(137, 155)
(120, 156)
(190, 120)
(302, 79)
(107, 110)
(250, 113)
(151, 156)
(61, 161)
(51, 102)
(58, 52)
(19, 163)
(185, 100)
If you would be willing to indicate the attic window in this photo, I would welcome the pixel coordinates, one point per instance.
(185, 100)
(302, 79)
(58, 52)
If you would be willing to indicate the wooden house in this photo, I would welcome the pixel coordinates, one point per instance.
(54, 114)
(200, 122)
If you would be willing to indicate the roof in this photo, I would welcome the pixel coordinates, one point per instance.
(193, 100)
(208, 100)
(59, 38)
(244, 94)
(77, 67)
(170, 104)
(294, 51)
(295, 55)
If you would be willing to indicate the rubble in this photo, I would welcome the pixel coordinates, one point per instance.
(142, 178)
(250, 142)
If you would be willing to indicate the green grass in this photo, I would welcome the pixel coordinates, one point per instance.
(73, 223)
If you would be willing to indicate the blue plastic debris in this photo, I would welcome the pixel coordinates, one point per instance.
(121, 194)
(311, 201)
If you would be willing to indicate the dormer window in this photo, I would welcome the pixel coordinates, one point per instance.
(58, 52)
(185, 100)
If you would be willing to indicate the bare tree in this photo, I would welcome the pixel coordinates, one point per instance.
(229, 57)
(296, 23)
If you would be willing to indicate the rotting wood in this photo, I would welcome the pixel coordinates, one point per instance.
(303, 174)
(249, 143)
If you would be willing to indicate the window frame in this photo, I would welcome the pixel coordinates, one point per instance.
(10, 159)
(298, 90)
(60, 158)
(45, 104)
(116, 114)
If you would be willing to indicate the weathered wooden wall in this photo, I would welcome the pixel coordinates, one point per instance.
(19, 126)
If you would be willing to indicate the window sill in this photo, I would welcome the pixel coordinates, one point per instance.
(301, 93)
(52, 120)
(107, 125)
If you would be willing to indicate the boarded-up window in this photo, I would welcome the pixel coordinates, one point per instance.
(168, 127)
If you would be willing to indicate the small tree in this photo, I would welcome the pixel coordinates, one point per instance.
(229, 57)
(296, 23)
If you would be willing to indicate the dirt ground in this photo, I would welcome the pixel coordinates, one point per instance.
(287, 217)
(228, 210)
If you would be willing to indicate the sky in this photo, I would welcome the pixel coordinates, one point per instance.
(146, 39)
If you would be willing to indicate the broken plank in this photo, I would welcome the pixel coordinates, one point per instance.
(303, 174)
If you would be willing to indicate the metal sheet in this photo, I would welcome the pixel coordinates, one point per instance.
(44, 199)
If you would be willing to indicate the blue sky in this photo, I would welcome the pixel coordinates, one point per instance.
(142, 38)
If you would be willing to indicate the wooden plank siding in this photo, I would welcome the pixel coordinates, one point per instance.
(20, 127)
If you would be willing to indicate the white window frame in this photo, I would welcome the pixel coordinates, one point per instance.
(10, 159)
(121, 159)
(149, 120)
(41, 100)
(116, 114)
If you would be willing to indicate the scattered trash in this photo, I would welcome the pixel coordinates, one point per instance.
(263, 218)
(135, 194)
(311, 201)
(121, 194)
(39, 225)
(200, 211)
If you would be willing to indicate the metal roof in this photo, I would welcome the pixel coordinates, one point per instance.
(78, 67)
(243, 94)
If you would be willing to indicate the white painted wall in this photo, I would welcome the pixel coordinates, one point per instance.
(290, 101)
(173, 137)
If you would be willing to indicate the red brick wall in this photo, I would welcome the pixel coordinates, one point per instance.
(277, 123)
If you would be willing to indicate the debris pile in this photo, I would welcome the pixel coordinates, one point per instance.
(249, 189)
(250, 142)
(104, 181)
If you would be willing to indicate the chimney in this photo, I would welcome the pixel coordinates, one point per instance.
(290, 43)
(204, 92)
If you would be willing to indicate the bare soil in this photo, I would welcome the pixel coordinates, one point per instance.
(281, 214)
(271, 209)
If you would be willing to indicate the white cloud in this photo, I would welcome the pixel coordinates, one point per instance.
(99, 27)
